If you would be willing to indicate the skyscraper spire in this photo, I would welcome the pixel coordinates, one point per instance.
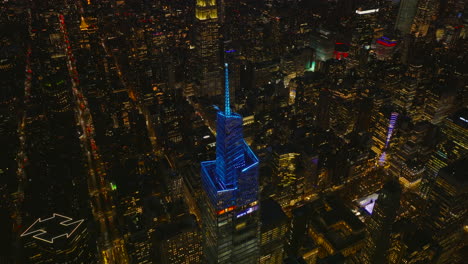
(227, 102)
(230, 197)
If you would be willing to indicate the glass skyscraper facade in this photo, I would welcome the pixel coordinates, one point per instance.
(230, 208)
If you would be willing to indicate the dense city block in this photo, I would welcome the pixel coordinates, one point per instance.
(233, 132)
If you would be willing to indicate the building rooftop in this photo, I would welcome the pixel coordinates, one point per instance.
(460, 118)
(456, 173)
(330, 217)
(271, 214)
(335, 259)
(298, 260)
(415, 239)
(182, 224)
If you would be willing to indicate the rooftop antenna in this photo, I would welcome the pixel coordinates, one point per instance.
(227, 103)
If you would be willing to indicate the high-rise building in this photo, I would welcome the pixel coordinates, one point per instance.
(405, 16)
(363, 119)
(455, 127)
(130, 204)
(335, 229)
(59, 239)
(290, 186)
(426, 13)
(342, 105)
(411, 153)
(178, 242)
(379, 226)
(323, 43)
(56, 93)
(384, 127)
(404, 97)
(229, 204)
(452, 148)
(323, 110)
(207, 48)
(439, 102)
(385, 48)
(364, 32)
(298, 229)
(447, 210)
(273, 232)
(410, 244)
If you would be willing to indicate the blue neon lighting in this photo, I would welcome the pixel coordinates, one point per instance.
(227, 99)
(250, 166)
(229, 149)
(231, 179)
(227, 190)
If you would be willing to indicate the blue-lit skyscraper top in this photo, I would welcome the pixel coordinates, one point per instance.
(229, 143)
(232, 177)
(230, 197)
(227, 98)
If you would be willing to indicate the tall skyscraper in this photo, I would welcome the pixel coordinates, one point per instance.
(335, 229)
(447, 212)
(178, 242)
(380, 224)
(384, 128)
(273, 232)
(426, 13)
(207, 48)
(366, 19)
(58, 239)
(405, 16)
(410, 244)
(453, 147)
(229, 206)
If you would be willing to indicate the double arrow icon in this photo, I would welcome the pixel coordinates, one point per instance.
(51, 228)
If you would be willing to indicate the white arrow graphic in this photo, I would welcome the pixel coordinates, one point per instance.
(41, 233)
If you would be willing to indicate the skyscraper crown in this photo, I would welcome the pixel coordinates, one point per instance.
(235, 167)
